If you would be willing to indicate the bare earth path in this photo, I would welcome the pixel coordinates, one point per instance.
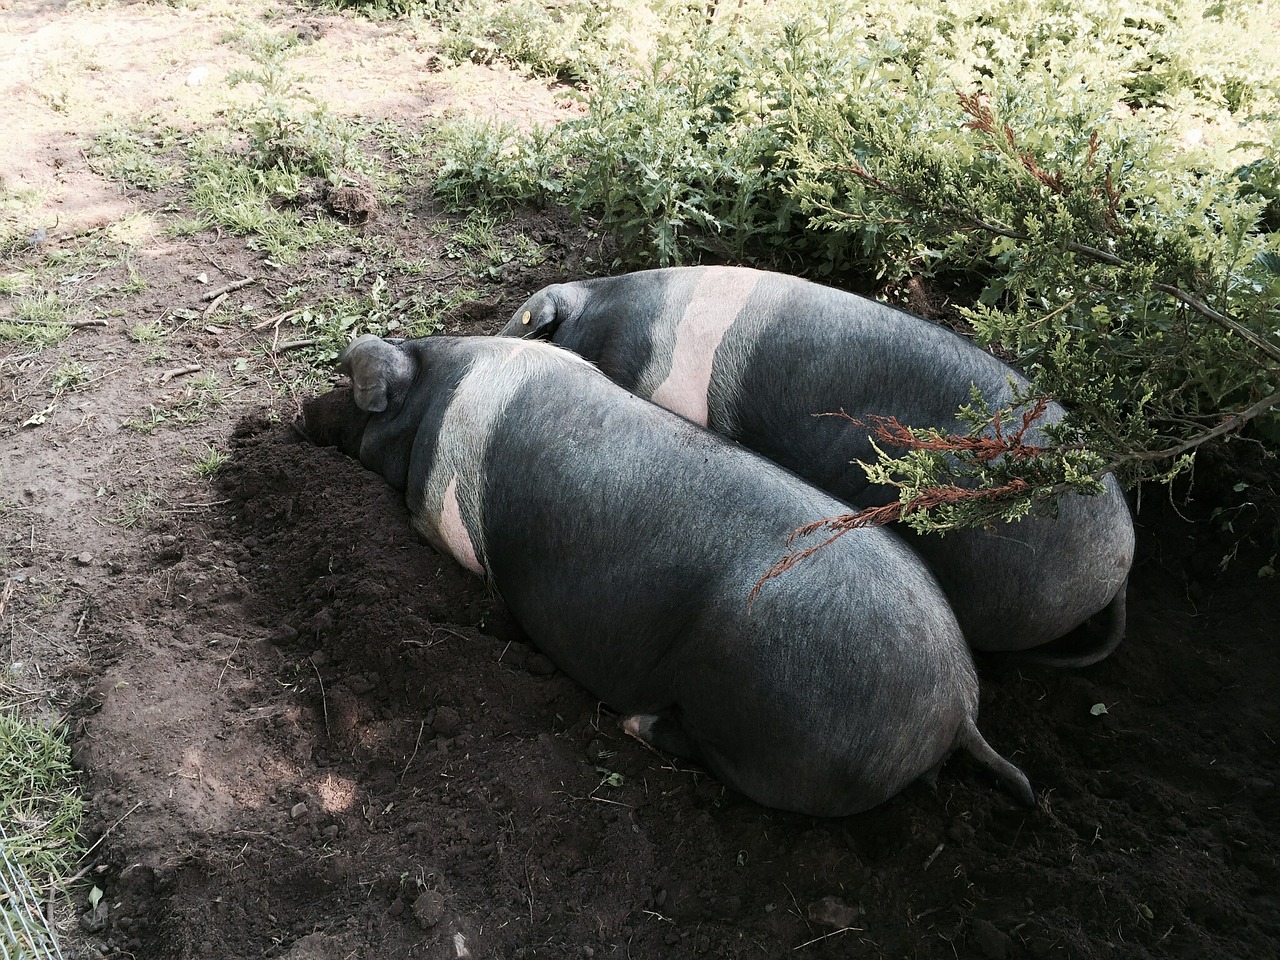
(305, 735)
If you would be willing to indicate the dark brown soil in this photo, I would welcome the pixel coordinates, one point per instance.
(453, 784)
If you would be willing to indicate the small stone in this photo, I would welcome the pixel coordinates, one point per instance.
(319, 658)
(330, 832)
(833, 912)
(96, 919)
(299, 809)
(397, 908)
(84, 559)
(428, 909)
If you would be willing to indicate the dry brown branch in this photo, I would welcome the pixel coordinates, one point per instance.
(229, 288)
(278, 318)
(296, 344)
(217, 301)
(179, 371)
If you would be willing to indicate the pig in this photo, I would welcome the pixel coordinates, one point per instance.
(626, 542)
(758, 356)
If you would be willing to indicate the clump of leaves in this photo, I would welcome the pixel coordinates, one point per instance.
(130, 157)
(68, 376)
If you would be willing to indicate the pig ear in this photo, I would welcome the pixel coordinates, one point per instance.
(379, 372)
(538, 318)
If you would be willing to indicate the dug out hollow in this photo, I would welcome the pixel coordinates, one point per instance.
(440, 779)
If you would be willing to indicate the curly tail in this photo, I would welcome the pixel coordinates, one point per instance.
(1113, 633)
(1011, 778)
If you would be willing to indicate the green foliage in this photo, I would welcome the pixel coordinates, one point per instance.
(252, 201)
(40, 803)
(1100, 175)
(289, 129)
(492, 164)
(334, 322)
(130, 157)
(39, 321)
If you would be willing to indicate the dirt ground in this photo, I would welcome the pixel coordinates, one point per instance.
(304, 734)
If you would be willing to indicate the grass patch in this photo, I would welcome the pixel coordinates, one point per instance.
(255, 203)
(18, 215)
(130, 157)
(147, 332)
(39, 321)
(138, 507)
(40, 809)
(200, 396)
(69, 375)
(209, 461)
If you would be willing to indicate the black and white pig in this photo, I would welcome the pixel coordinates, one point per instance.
(756, 356)
(626, 541)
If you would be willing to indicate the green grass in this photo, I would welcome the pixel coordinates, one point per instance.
(39, 320)
(40, 808)
(209, 461)
(130, 157)
(19, 217)
(138, 507)
(199, 397)
(147, 332)
(333, 322)
(69, 375)
(251, 202)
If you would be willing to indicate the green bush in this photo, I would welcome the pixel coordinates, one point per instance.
(1098, 177)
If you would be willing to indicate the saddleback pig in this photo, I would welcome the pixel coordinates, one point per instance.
(626, 541)
(757, 356)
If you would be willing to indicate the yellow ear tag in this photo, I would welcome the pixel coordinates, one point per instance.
(526, 318)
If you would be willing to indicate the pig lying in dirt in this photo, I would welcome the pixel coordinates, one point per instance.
(756, 356)
(626, 541)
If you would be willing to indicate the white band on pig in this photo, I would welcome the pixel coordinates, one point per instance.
(449, 512)
(691, 340)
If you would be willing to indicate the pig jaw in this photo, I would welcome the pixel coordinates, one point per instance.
(334, 420)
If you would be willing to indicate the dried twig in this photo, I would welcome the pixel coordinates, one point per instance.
(217, 301)
(278, 318)
(404, 773)
(179, 371)
(296, 344)
(6, 594)
(324, 701)
(229, 288)
(833, 933)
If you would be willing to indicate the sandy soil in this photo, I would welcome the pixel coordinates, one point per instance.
(304, 734)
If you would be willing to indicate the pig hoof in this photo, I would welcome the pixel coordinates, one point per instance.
(661, 733)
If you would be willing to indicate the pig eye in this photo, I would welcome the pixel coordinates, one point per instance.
(526, 318)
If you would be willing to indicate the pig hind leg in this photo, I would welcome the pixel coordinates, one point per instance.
(663, 733)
